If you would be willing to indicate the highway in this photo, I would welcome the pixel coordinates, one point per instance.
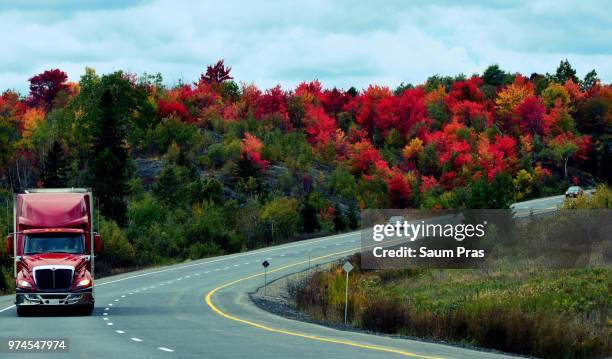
(201, 309)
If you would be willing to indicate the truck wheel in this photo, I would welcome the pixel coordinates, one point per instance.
(22, 311)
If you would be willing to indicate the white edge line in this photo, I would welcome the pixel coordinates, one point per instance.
(7, 308)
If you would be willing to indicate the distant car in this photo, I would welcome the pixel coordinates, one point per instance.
(573, 192)
(397, 219)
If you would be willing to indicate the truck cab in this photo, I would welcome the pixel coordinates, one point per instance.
(54, 248)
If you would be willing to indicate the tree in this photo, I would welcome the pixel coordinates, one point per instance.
(498, 194)
(512, 95)
(563, 147)
(55, 167)
(531, 115)
(352, 216)
(310, 222)
(251, 152)
(44, 87)
(216, 74)
(108, 163)
(502, 191)
(319, 126)
(590, 79)
(339, 219)
(282, 216)
(170, 186)
(493, 76)
(566, 72)
(399, 191)
(352, 91)
(213, 191)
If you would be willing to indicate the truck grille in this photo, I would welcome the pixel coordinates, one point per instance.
(58, 279)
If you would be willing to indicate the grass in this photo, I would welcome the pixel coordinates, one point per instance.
(545, 313)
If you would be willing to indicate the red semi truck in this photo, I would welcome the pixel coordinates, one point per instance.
(53, 246)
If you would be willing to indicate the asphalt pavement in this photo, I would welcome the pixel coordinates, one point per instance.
(201, 309)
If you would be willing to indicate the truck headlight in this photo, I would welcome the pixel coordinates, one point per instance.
(24, 284)
(84, 283)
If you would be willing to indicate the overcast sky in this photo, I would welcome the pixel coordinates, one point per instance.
(341, 43)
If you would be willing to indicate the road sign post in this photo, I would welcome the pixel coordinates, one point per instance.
(265, 264)
(347, 268)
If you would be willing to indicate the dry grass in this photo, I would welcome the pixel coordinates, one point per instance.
(545, 313)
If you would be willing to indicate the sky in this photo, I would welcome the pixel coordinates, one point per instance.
(340, 43)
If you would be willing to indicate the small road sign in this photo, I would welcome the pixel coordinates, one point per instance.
(347, 268)
(265, 264)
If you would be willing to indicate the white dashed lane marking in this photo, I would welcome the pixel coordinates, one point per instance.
(109, 323)
(119, 331)
(165, 349)
(136, 339)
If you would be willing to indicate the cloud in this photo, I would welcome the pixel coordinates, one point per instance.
(341, 43)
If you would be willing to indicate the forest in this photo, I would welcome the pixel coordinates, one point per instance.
(218, 166)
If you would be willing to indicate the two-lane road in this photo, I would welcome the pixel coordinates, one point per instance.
(201, 310)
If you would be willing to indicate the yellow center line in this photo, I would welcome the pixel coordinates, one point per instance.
(209, 302)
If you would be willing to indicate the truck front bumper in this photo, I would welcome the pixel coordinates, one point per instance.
(45, 298)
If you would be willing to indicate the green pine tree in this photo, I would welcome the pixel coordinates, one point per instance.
(55, 167)
(109, 162)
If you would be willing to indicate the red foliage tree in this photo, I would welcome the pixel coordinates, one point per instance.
(165, 108)
(428, 183)
(334, 100)
(365, 106)
(251, 149)
(399, 191)
(472, 114)
(363, 156)
(273, 102)
(530, 114)
(319, 126)
(310, 90)
(44, 87)
(403, 112)
(216, 74)
(468, 90)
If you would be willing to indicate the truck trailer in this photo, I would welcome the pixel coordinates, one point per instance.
(53, 246)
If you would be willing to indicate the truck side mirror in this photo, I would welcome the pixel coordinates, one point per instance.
(97, 243)
(9, 245)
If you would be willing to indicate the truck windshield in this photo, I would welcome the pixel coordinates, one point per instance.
(53, 243)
